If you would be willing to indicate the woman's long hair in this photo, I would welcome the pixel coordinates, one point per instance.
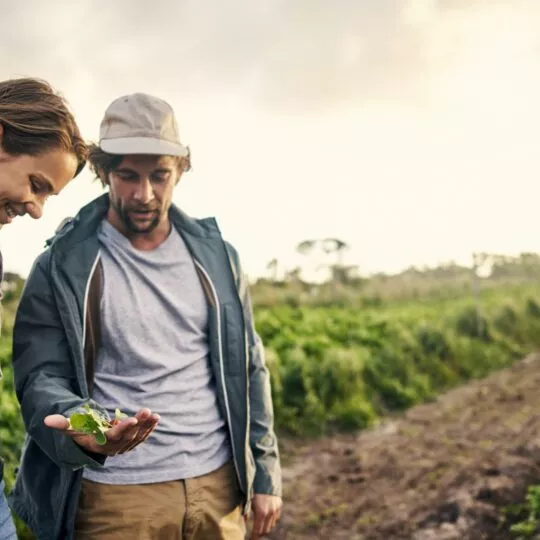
(36, 119)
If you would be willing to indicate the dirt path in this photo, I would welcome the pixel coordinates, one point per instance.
(442, 471)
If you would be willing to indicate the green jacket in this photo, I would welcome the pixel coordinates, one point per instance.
(55, 342)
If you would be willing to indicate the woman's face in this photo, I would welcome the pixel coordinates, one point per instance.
(27, 181)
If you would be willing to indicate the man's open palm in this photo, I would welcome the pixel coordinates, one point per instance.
(122, 437)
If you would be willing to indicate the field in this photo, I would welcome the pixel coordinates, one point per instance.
(338, 370)
(457, 468)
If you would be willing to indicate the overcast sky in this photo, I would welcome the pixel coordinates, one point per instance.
(407, 128)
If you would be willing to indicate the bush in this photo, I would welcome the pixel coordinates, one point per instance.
(532, 308)
(433, 343)
(352, 414)
(506, 320)
(389, 377)
(338, 377)
(531, 524)
(472, 324)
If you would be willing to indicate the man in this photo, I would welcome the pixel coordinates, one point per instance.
(137, 306)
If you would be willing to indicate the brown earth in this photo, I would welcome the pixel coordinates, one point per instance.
(443, 470)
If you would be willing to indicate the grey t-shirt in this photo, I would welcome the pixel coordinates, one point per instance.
(154, 353)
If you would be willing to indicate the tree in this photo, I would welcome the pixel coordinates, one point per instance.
(306, 247)
(293, 275)
(272, 267)
(337, 246)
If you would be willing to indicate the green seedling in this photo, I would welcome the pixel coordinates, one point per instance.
(94, 422)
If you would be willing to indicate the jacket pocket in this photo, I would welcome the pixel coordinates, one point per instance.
(233, 342)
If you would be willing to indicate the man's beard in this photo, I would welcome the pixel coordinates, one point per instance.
(132, 225)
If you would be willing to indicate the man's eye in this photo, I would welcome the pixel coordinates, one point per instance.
(125, 176)
(35, 186)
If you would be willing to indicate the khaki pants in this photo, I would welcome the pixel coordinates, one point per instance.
(202, 508)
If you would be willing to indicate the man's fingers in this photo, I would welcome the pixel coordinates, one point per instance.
(143, 434)
(147, 433)
(57, 421)
(143, 415)
(131, 444)
(139, 423)
(145, 429)
(258, 522)
(122, 429)
(269, 523)
(144, 421)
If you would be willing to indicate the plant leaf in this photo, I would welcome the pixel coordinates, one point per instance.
(82, 422)
(119, 415)
(100, 437)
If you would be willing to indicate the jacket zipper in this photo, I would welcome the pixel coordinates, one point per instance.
(85, 307)
(246, 352)
(85, 303)
(220, 350)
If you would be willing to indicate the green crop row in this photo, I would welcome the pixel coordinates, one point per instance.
(341, 369)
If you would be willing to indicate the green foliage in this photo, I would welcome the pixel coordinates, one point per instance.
(341, 368)
(533, 308)
(531, 524)
(506, 320)
(471, 324)
(11, 425)
(94, 422)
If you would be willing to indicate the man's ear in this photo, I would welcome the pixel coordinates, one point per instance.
(185, 161)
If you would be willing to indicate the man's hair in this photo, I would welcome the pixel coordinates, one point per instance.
(101, 163)
(37, 119)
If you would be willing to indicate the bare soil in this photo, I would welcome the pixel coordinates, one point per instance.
(443, 470)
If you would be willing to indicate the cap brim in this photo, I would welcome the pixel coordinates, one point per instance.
(142, 145)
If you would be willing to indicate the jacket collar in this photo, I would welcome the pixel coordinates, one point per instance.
(86, 222)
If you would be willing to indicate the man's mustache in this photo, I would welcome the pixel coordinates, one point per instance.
(141, 208)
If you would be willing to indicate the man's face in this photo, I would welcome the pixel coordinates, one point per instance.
(141, 189)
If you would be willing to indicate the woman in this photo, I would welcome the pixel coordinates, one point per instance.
(41, 150)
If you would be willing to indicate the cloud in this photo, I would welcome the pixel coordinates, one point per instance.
(289, 57)
(377, 113)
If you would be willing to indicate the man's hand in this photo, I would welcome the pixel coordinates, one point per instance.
(122, 437)
(266, 513)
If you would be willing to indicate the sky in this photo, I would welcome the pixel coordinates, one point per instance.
(407, 128)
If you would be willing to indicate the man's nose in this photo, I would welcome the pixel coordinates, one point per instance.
(144, 191)
(34, 209)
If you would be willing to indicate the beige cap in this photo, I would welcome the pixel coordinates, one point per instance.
(140, 124)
